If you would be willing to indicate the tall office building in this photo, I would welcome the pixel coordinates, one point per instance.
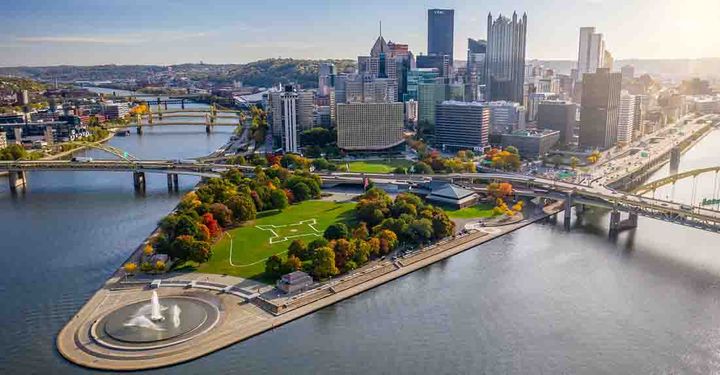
(626, 118)
(370, 126)
(558, 115)
(440, 32)
(404, 62)
(326, 78)
(639, 117)
(599, 110)
(462, 125)
(591, 52)
(476, 68)
(416, 77)
(505, 58)
(506, 117)
(429, 96)
(291, 112)
(627, 71)
(534, 100)
(442, 63)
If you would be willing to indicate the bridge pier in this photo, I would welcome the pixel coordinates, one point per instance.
(618, 225)
(172, 182)
(674, 160)
(17, 180)
(139, 181)
(182, 103)
(17, 131)
(568, 211)
(139, 129)
(208, 129)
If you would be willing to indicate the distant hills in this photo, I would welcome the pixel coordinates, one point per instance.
(269, 72)
(261, 73)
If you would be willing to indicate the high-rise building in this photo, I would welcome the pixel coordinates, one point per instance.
(534, 100)
(379, 64)
(600, 109)
(440, 32)
(3, 139)
(404, 62)
(419, 76)
(639, 117)
(291, 112)
(505, 58)
(558, 115)
(627, 71)
(477, 50)
(370, 126)
(626, 118)
(462, 125)
(608, 60)
(326, 78)
(506, 117)
(364, 89)
(429, 96)
(442, 63)
(591, 51)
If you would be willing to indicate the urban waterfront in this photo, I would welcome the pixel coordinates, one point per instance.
(538, 300)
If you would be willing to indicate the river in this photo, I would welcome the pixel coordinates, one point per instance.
(540, 300)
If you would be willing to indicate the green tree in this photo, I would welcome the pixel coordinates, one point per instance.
(222, 214)
(273, 266)
(242, 207)
(336, 231)
(278, 199)
(421, 168)
(292, 264)
(323, 264)
(512, 150)
(299, 249)
(361, 232)
(301, 191)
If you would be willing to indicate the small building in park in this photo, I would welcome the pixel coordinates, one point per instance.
(451, 195)
(294, 282)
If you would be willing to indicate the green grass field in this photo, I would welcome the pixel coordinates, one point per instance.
(271, 233)
(477, 211)
(376, 166)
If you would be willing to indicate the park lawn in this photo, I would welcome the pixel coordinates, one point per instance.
(477, 211)
(376, 166)
(252, 245)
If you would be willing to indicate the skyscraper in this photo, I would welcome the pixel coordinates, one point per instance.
(369, 126)
(291, 112)
(505, 58)
(599, 110)
(591, 51)
(462, 125)
(326, 78)
(558, 115)
(440, 32)
(626, 118)
(475, 67)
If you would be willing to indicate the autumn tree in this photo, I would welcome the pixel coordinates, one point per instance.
(242, 207)
(324, 263)
(212, 225)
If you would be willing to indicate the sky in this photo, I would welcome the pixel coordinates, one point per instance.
(79, 32)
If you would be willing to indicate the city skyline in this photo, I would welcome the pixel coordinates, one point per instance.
(35, 33)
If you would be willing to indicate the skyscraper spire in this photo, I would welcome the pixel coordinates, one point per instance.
(380, 27)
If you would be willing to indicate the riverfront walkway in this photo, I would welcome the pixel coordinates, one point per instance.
(240, 319)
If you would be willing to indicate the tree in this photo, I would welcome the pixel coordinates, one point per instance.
(185, 247)
(336, 231)
(323, 264)
(222, 214)
(292, 264)
(148, 250)
(421, 168)
(362, 251)
(130, 268)
(299, 249)
(500, 189)
(344, 251)
(512, 150)
(301, 191)
(317, 243)
(242, 207)
(388, 240)
(212, 225)
(442, 226)
(273, 266)
(160, 265)
(574, 162)
(421, 230)
(361, 232)
(278, 199)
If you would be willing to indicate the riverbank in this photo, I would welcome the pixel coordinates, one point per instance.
(242, 316)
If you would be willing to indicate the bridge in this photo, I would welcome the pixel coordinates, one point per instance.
(572, 194)
(184, 117)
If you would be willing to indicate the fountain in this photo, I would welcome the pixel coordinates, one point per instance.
(168, 319)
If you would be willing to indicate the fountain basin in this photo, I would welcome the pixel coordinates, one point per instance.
(129, 328)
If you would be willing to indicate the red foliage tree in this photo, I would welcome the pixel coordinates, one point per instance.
(211, 224)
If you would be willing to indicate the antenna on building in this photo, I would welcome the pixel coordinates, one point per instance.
(380, 27)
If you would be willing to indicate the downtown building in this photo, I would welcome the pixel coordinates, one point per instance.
(440, 32)
(475, 70)
(626, 118)
(462, 126)
(591, 52)
(505, 118)
(291, 112)
(558, 115)
(505, 58)
(370, 127)
(599, 111)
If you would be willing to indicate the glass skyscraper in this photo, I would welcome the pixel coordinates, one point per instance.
(440, 32)
(505, 58)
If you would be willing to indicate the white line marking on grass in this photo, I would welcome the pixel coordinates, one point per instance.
(275, 238)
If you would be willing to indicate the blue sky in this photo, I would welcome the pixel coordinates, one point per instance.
(82, 32)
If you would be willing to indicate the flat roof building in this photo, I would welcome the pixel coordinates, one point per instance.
(599, 109)
(532, 144)
(370, 126)
(558, 115)
(462, 125)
